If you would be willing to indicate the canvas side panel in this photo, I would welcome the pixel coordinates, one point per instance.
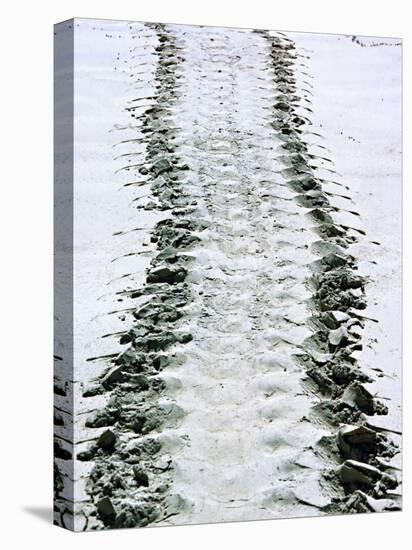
(63, 274)
(101, 259)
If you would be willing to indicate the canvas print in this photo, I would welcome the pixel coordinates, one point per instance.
(227, 274)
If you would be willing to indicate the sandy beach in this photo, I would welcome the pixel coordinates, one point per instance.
(237, 277)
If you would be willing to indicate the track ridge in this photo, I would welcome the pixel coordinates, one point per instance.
(338, 298)
(132, 468)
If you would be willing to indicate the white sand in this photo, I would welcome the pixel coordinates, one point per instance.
(242, 441)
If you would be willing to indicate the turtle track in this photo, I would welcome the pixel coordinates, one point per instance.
(239, 395)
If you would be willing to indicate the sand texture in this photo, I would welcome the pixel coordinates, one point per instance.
(236, 278)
